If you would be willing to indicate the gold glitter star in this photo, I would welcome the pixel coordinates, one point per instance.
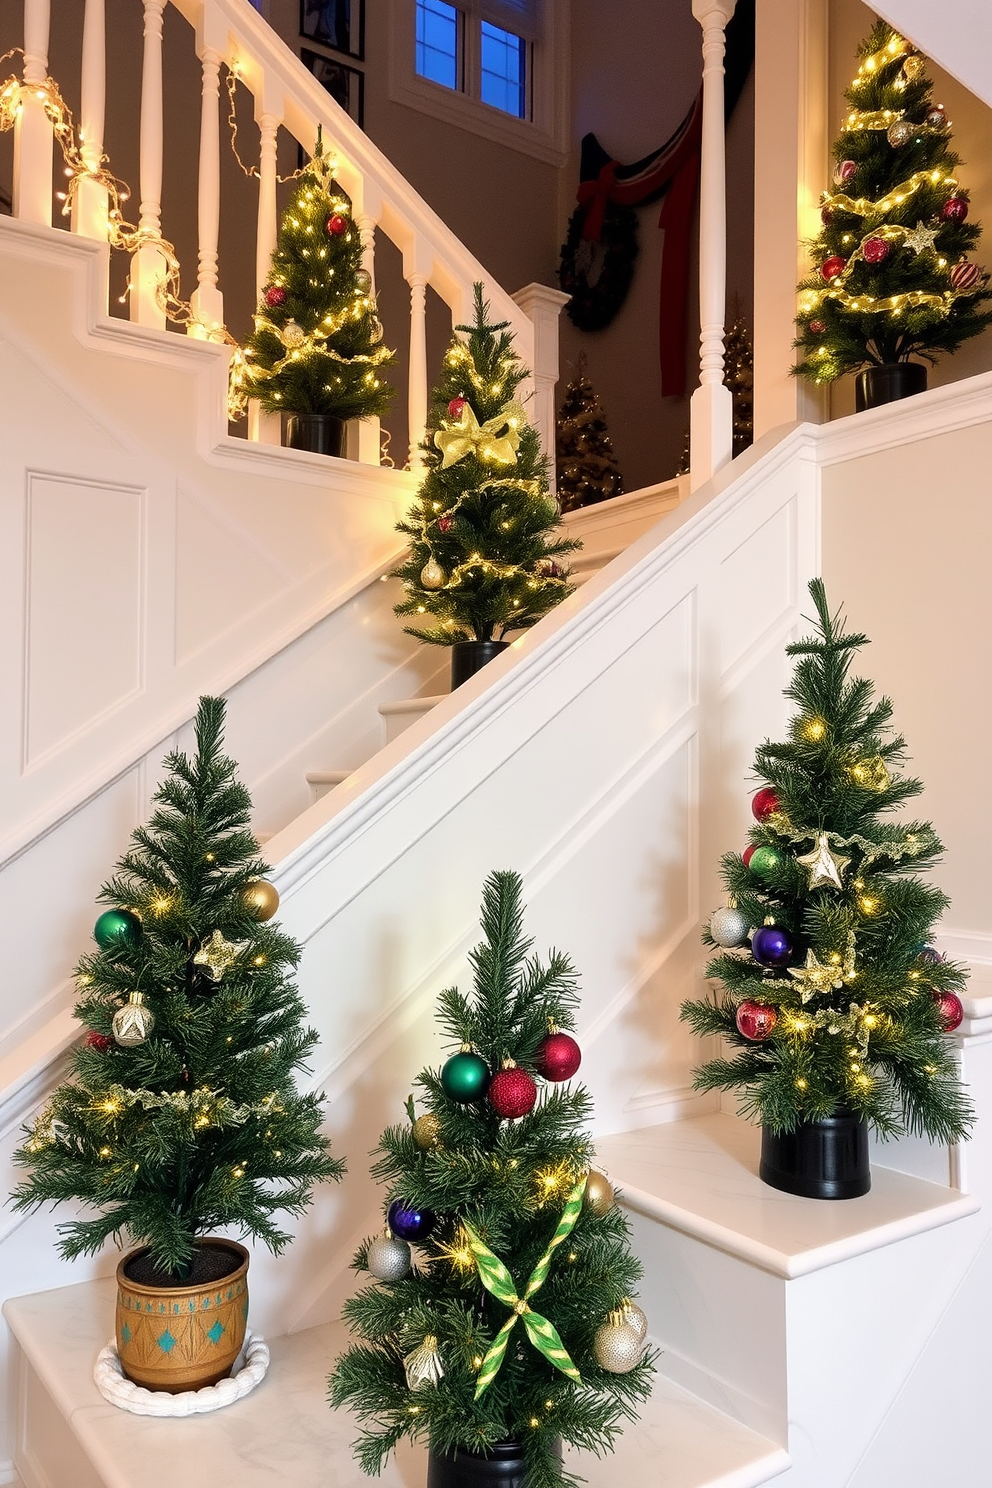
(815, 977)
(218, 955)
(921, 238)
(824, 866)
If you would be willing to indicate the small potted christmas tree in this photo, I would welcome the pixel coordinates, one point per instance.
(484, 539)
(587, 464)
(834, 1004)
(316, 353)
(182, 1116)
(892, 277)
(516, 1329)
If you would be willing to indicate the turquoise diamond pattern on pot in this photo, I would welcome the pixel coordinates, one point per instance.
(215, 1333)
(166, 1342)
(126, 1334)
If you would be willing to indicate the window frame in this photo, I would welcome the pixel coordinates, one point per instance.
(543, 135)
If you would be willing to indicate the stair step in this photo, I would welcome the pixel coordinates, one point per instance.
(322, 781)
(286, 1433)
(398, 717)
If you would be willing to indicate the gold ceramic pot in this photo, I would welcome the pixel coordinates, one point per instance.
(182, 1337)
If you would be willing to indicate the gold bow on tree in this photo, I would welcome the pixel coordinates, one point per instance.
(494, 442)
(497, 1279)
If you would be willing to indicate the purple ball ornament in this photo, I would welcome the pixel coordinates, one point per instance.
(930, 955)
(772, 946)
(410, 1224)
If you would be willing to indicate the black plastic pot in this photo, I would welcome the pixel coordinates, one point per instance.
(321, 433)
(826, 1159)
(502, 1466)
(887, 384)
(469, 657)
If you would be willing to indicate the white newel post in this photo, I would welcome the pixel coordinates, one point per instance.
(89, 209)
(147, 265)
(33, 136)
(265, 428)
(207, 301)
(367, 204)
(711, 419)
(416, 272)
(543, 306)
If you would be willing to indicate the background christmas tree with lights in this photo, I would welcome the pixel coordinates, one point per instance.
(181, 1115)
(838, 1001)
(317, 344)
(484, 539)
(493, 1182)
(892, 278)
(587, 465)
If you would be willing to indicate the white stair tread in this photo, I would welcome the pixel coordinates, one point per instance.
(411, 705)
(327, 777)
(285, 1432)
(701, 1177)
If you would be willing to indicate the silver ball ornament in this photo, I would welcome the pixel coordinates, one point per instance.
(133, 1022)
(388, 1258)
(728, 927)
(363, 281)
(900, 133)
(432, 575)
(616, 1346)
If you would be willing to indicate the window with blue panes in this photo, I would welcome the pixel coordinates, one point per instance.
(438, 42)
(504, 70)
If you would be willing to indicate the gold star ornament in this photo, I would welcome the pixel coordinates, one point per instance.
(814, 977)
(825, 867)
(218, 955)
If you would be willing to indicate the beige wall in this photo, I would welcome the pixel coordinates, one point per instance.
(971, 129)
(907, 548)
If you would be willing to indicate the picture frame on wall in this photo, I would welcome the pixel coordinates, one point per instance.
(345, 84)
(338, 24)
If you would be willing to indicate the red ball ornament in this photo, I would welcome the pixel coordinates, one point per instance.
(748, 854)
(875, 250)
(950, 1010)
(937, 117)
(845, 171)
(547, 568)
(445, 524)
(827, 215)
(274, 296)
(833, 266)
(764, 803)
(512, 1093)
(955, 209)
(98, 1041)
(818, 327)
(457, 407)
(755, 1020)
(558, 1057)
(336, 225)
(965, 275)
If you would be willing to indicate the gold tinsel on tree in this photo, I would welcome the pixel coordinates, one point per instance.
(738, 374)
(587, 466)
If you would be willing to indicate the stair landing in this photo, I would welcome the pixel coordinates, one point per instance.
(285, 1433)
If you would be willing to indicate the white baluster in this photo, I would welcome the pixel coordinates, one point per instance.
(543, 306)
(417, 382)
(207, 300)
(89, 208)
(264, 428)
(712, 406)
(147, 265)
(369, 432)
(33, 132)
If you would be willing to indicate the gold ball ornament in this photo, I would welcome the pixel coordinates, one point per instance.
(900, 133)
(616, 1346)
(426, 1130)
(598, 1198)
(635, 1317)
(260, 899)
(432, 575)
(913, 66)
(133, 1022)
(292, 335)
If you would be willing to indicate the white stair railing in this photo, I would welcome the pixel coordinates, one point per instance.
(231, 34)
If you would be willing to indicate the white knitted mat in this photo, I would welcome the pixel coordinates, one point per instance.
(113, 1384)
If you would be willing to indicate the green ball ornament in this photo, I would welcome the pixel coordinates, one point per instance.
(117, 929)
(465, 1077)
(765, 862)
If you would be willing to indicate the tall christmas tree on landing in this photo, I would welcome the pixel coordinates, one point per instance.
(484, 539)
(838, 1002)
(181, 1115)
(317, 343)
(587, 465)
(892, 276)
(518, 1322)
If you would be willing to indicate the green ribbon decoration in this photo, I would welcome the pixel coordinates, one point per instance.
(497, 1279)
